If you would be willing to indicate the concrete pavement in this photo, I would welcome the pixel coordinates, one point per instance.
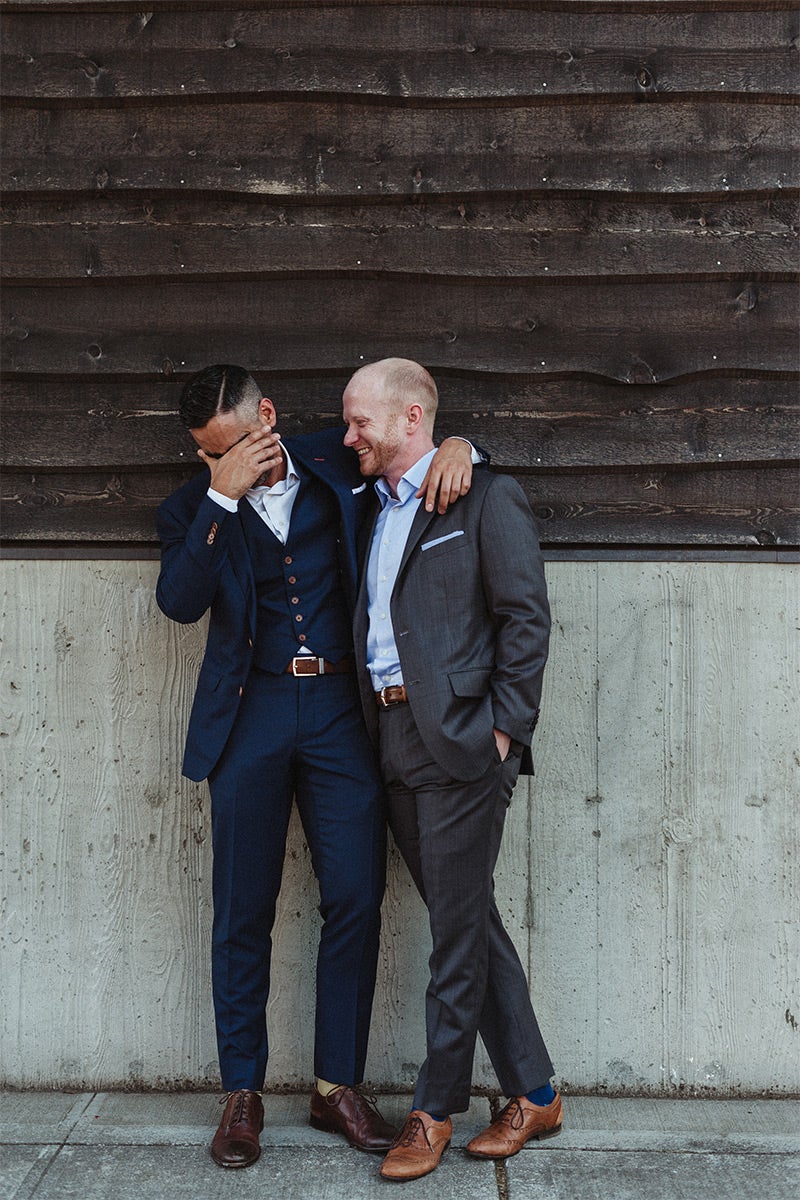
(153, 1146)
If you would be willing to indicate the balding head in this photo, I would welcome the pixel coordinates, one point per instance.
(389, 410)
(398, 382)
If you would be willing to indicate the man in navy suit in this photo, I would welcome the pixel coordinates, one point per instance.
(451, 635)
(265, 540)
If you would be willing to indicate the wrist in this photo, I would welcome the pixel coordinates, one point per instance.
(231, 503)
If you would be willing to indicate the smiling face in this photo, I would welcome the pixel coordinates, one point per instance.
(374, 425)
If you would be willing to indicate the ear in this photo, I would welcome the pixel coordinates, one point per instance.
(266, 411)
(414, 416)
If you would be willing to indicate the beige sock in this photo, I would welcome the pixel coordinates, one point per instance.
(324, 1088)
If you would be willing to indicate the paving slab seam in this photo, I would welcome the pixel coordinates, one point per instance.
(38, 1172)
(501, 1177)
(678, 1148)
(31, 1183)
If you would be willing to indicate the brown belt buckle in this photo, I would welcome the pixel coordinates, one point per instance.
(319, 665)
(382, 698)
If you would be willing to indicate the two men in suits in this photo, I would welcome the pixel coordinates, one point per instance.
(266, 541)
(452, 622)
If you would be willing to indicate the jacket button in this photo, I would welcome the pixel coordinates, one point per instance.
(241, 689)
(298, 617)
(250, 643)
(295, 599)
(301, 637)
(292, 579)
(288, 560)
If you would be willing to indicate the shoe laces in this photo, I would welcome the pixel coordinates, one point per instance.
(362, 1098)
(512, 1115)
(241, 1111)
(408, 1134)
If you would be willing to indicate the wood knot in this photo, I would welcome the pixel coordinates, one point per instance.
(640, 372)
(140, 22)
(94, 351)
(747, 299)
(645, 82)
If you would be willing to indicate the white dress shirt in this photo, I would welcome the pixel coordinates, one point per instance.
(273, 504)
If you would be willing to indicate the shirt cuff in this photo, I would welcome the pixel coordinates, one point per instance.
(477, 457)
(225, 501)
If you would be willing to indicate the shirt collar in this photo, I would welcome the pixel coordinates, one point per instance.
(283, 485)
(409, 482)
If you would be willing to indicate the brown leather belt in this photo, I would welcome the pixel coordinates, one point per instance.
(308, 664)
(389, 696)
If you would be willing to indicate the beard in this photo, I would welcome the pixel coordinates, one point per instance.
(381, 454)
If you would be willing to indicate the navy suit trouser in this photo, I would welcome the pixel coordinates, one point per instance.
(449, 833)
(304, 738)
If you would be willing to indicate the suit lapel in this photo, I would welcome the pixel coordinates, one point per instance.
(422, 519)
(330, 474)
(242, 567)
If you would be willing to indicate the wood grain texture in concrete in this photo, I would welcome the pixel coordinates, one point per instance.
(650, 873)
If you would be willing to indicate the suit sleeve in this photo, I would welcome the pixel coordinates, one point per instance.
(513, 580)
(194, 551)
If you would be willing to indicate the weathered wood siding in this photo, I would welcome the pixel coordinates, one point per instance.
(650, 873)
(582, 217)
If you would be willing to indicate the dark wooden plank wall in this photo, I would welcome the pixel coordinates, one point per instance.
(581, 217)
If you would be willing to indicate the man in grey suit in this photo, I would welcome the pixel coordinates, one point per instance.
(452, 623)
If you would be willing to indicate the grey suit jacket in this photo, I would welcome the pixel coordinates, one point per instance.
(472, 624)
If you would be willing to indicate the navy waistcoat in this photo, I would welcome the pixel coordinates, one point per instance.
(298, 585)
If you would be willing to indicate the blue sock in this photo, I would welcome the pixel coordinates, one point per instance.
(542, 1095)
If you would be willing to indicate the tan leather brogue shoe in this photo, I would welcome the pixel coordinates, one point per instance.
(515, 1125)
(236, 1142)
(418, 1147)
(348, 1111)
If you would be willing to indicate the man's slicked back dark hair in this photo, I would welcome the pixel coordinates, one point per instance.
(214, 390)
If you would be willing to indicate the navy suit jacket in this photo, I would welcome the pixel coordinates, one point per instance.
(205, 564)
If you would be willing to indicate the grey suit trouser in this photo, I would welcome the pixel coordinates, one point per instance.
(449, 834)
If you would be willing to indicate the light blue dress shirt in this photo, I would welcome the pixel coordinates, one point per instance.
(388, 543)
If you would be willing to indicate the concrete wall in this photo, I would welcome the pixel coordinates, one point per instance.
(649, 872)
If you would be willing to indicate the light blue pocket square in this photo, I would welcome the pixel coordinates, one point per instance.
(446, 538)
(355, 491)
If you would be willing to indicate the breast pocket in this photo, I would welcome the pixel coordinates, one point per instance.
(437, 547)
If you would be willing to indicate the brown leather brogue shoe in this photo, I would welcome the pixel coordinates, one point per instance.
(236, 1142)
(515, 1125)
(418, 1147)
(348, 1111)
